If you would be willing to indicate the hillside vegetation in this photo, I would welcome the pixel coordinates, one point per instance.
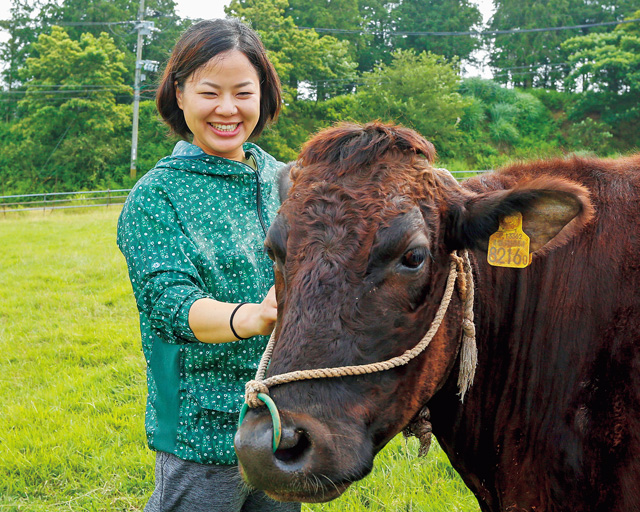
(67, 70)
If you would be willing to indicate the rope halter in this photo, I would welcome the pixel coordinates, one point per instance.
(257, 390)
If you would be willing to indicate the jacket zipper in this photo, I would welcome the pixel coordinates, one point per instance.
(258, 198)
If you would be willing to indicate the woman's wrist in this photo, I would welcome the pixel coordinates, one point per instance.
(231, 320)
(244, 321)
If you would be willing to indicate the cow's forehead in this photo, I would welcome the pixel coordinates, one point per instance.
(331, 207)
(387, 184)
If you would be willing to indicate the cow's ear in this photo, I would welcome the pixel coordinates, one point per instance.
(284, 181)
(553, 210)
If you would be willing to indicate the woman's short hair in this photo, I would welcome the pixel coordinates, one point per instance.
(197, 46)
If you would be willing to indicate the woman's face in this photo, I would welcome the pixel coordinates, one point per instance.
(221, 104)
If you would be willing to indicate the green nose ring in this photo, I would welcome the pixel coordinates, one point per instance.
(275, 417)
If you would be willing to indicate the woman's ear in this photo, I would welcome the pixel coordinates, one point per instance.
(178, 94)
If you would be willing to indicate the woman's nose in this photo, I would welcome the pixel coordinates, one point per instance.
(226, 105)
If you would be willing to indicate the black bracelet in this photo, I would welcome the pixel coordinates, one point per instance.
(231, 321)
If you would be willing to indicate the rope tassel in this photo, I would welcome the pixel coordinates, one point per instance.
(468, 348)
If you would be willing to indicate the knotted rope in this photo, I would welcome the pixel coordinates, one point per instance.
(257, 390)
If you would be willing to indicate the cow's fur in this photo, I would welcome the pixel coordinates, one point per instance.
(552, 421)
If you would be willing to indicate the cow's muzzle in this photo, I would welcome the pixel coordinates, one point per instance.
(302, 468)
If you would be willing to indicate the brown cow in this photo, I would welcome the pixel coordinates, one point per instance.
(361, 249)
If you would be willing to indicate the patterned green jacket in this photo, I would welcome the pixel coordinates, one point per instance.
(194, 227)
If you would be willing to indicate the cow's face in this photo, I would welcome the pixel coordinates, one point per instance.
(361, 256)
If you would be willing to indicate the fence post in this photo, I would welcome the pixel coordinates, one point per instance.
(44, 204)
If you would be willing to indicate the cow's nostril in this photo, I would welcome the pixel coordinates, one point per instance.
(293, 445)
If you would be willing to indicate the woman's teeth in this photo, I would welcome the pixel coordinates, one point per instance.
(224, 127)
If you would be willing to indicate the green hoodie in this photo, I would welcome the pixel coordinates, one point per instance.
(194, 227)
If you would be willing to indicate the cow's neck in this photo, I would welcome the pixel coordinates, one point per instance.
(470, 432)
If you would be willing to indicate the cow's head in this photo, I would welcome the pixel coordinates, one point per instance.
(361, 251)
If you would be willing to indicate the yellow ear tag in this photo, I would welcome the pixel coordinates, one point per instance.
(509, 246)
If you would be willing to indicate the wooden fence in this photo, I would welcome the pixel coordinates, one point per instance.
(62, 200)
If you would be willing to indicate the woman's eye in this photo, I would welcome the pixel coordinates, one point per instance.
(414, 258)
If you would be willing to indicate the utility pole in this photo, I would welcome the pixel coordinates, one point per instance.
(143, 29)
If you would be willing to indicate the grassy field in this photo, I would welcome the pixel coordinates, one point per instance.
(72, 384)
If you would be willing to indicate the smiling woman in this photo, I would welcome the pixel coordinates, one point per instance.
(192, 232)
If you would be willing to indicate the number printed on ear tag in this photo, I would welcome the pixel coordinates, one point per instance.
(509, 246)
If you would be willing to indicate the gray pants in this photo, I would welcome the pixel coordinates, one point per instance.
(184, 486)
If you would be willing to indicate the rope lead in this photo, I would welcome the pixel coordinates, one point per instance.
(257, 390)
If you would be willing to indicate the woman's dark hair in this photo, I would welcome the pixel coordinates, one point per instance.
(197, 46)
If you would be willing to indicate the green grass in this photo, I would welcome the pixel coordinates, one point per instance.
(72, 385)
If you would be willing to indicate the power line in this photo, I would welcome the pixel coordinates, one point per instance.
(91, 23)
(63, 91)
(393, 33)
(472, 32)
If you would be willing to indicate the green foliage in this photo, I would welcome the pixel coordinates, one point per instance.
(15, 50)
(606, 62)
(589, 135)
(300, 56)
(373, 21)
(31, 18)
(300, 119)
(72, 393)
(443, 16)
(66, 106)
(419, 91)
(155, 140)
(532, 59)
(65, 138)
(510, 119)
(503, 132)
(335, 14)
(606, 68)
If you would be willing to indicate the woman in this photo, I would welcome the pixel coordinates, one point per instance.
(192, 232)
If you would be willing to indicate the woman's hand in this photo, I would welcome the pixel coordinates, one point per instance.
(253, 319)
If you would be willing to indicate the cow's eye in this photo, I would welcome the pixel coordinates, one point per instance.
(414, 258)
(270, 253)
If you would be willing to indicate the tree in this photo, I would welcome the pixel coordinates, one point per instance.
(606, 62)
(533, 59)
(373, 25)
(15, 50)
(91, 16)
(438, 16)
(69, 115)
(301, 57)
(328, 14)
(606, 68)
(419, 91)
(30, 18)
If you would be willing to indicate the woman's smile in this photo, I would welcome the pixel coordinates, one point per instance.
(225, 130)
(221, 104)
